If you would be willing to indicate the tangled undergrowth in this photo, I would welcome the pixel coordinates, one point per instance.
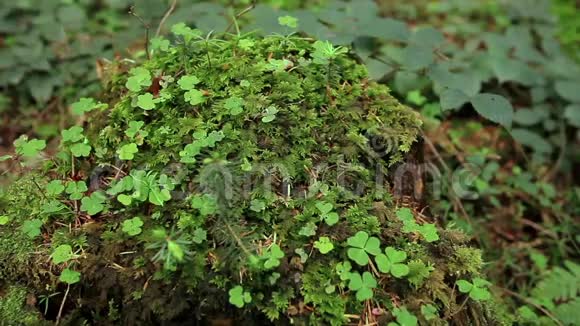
(233, 177)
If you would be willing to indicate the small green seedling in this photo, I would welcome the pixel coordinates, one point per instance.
(133, 226)
(273, 256)
(69, 276)
(326, 213)
(477, 289)
(127, 152)
(324, 245)
(239, 297)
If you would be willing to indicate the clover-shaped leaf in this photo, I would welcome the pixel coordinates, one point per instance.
(234, 105)
(273, 256)
(405, 214)
(86, 104)
(140, 77)
(289, 21)
(133, 226)
(4, 219)
(28, 147)
(477, 289)
(134, 128)
(76, 189)
(270, 114)
(324, 245)
(55, 187)
(93, 204)
(206, 204)
(187, 82)
(62, 254)
(391, 262)
(146, 101)
(80, 150)
(181, 29)
(159, 43)
(239, 297)
(125, 199)
(429, 311)
(326, 213)
(308, 230)
(361, 245)
(363, 285)
(194, 96)
(69, 276)
(73, 134)
(257, 205)
(343, 270)
(127, 152)
(31, 228)
(429, 232)
(199, 235)
(404, 318)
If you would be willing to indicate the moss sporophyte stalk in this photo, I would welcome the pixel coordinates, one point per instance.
(235, 174)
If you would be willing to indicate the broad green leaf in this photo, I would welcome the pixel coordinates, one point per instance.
(417, 57)
(494, 107)
(451, 99)
(28, 147)
(527, 117)
(569, 90)
(69, 276)
(532, 140)
(62, 254)
(464, 286)
(32, 228)
(4, 219)
(572, 114)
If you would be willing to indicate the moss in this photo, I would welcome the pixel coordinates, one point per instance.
(13, 309)
(238, 155)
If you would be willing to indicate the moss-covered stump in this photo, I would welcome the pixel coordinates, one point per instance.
(235, 178)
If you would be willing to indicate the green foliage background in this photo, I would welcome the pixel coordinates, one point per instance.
(495, 82)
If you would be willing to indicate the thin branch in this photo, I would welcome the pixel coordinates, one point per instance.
(167, 14)
(147, 28)
(240, 14)
(62, 305)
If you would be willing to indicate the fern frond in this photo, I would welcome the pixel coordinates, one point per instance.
(561, 284)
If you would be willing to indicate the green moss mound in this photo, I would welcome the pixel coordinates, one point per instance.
(241, 178)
